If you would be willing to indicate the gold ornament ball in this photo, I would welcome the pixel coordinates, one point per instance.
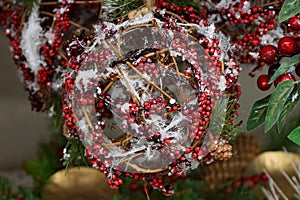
(82, 183)
(272, 162)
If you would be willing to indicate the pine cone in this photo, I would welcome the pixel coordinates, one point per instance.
(222, 150)
(245, 149)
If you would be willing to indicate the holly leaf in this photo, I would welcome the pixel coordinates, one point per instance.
(288, 108)
(285, 66)
(294, 136)
(258, 113)
(288, 10)
(276, 103)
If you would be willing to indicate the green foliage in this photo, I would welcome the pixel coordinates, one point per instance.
(230, 131)
(289, 9)
(275, 142)
(49, 153)
(269, 109)
(7, 193)
(277, 102)
(295, 135)
(285, 66)
(195, 4)
(297, 197)
(187, 189)
(57, 120)
(26, 3)
(75, 150)
(258, 113)
(288, 108)
(120, 8)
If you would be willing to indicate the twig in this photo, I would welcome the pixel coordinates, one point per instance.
(269, 4)
(146, 191)
(62, 55)
(128, 86)
(107, 87)
(88, 118)
(149, 4)
(152, 83)
(177, 16)
(138, 72)
(75, 2)
(71, 22)
(178, 74)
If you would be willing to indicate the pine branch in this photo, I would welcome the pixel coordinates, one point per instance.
(74, 154)
(120, 8)
(197, 5)
(24, 3)
(7, 193)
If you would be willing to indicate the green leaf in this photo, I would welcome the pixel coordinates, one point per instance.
(258, 113)
(285, 66)
(288, 108)
(276, 103)
(26, 3)
(294, 136)
(289, 9)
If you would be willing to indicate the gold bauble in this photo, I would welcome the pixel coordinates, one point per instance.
(272, 162)
(82, 183)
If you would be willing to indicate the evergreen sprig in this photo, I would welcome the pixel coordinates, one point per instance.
(120, 8)
(74, 154)
(24, 3)
(7, 193)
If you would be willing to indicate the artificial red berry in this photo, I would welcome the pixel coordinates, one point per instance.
(268, 54)
(264, 177)
(190, 9)
(294, 23)
(262, 82)
(287, 46)
(284, 77)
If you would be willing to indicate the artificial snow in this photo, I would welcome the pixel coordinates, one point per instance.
(85, 78)
(222, 83)
(295, 96)
(31, 41)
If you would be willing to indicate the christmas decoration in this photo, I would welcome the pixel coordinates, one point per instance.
(124, 102)
(282, 167)
(147, 91)
(78, 183)
(219, 173)
(37, 37)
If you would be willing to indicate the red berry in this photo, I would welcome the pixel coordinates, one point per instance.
(287, 46)
(190, 9)
(134, 186)
(294, 23)
(262, 82)
(268, 54)
(284, 77)
(264, 177)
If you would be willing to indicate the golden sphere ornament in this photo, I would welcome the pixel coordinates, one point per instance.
(281, 168)
(78, 184)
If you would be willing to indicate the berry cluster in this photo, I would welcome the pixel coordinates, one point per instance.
(190, 14)
(38, 80)
(271, 55)
(257, 22)
(248, 182)
(41, 71)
